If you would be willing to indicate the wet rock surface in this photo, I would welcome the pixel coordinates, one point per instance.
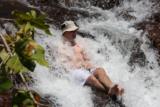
(58, 13)
(152, 27)
(105, 4)
(137, 55)
(7, 6)
(101, 99)
(5, 99)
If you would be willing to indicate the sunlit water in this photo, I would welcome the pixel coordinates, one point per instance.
(111, 49)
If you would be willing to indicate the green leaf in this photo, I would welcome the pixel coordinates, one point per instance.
(23, 50)
(28, 102)
(21, 17)
(48, 32)
(23, 99)
(5, 83)
(4, 55)
(28, 63)
(37, 21)
(29, 52)
(28, 13)
(15, 105)
(14, 64)
(39, 56)
(9, 38)
(28, 27)
(20, 46)
(33, 13)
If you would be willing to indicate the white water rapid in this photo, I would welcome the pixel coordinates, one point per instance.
(112, 49)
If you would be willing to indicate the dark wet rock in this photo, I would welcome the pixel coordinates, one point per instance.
(152, 27)
(137, 55)
(7, 6)
(105, 4)
(125, 14)
(86, 34)
(101, 99)
(5, 99)
(43, 2)
(58, 13)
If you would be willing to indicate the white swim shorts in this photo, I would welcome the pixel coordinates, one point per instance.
(79, 76)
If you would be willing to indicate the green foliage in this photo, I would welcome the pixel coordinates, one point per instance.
(22, 99)
(29, 64)
(4, 55)
(25, 47)
(38, 56)
(5, 83)
(23, 55)
(10, 39)
(30, 20)
(15, 64)
(29, 51)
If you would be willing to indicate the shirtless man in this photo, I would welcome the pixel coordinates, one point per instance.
(84, 72)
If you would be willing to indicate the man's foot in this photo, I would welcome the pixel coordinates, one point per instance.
(116, 90)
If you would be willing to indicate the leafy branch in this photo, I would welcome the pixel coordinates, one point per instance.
(20, 52)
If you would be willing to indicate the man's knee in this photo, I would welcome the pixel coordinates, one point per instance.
(99, 71)
(90, 80)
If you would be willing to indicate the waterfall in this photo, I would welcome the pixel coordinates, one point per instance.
(124, 52)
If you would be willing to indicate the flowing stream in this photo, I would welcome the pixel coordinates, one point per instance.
(124, 52)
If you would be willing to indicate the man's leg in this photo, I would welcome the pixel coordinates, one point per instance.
(101, 75)
(92, 81)
(103, 78)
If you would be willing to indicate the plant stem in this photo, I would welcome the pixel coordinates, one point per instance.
(5, 44)
(5, 19)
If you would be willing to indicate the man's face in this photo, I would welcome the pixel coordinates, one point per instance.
(70, 35)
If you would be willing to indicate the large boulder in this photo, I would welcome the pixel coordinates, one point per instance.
(7, 6)
(152, 26)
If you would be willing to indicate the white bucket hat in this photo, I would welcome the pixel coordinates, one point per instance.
(69, 26)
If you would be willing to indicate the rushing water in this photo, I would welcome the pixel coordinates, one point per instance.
(113, 49)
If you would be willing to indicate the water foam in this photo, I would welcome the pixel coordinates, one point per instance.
(141, 83)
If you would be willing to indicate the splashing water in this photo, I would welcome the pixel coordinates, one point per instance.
(112, 49)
